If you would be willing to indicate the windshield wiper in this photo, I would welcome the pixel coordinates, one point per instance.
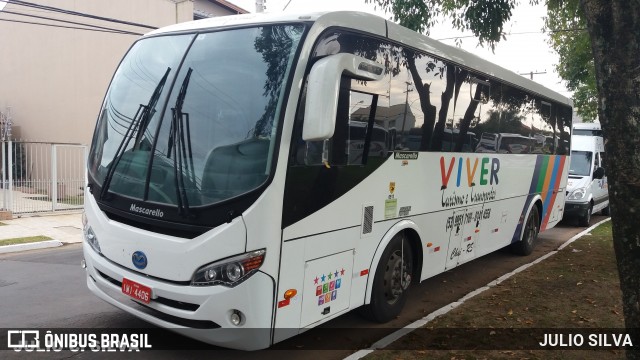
(139, 123)
(183, 154)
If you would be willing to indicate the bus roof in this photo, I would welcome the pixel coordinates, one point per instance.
(378, 26)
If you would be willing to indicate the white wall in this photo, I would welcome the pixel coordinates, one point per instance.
(54, 79)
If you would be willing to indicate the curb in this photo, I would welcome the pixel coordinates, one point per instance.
(387, 340)
(29, 246)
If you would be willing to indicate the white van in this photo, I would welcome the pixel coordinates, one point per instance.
(587, 190)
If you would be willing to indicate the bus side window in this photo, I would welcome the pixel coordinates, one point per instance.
(371, 132)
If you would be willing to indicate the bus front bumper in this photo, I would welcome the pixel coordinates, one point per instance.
(199, 312)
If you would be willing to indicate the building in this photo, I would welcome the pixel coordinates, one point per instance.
(55, 65)
(399, 117)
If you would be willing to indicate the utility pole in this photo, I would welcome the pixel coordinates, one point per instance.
(406, 101)
(6, 124)
(531, 73)
(260, 5)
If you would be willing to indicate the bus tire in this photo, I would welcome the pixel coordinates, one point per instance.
(391, 281)
(529, 234)
(586, 219)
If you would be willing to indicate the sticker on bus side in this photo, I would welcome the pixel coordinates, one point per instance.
(390, 208)
(405, 155)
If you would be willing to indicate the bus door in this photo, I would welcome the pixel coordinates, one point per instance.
(464, 234)
(327, 287)
(599, 186)
(318, 280)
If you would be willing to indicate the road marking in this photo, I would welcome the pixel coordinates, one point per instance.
(387, 340)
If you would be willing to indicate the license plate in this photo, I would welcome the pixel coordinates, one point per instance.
(136, 291)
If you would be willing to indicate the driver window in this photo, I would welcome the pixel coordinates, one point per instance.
(360, 132)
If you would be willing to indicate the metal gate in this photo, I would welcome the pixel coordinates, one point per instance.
(42, 177)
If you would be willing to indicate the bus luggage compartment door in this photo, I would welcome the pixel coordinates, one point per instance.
(327, 287)
(465, 228)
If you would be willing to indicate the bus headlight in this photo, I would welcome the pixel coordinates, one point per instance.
(577, 194)
(229, 272)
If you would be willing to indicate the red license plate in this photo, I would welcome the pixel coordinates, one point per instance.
(136, 291)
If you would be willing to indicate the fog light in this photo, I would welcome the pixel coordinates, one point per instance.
(236, 317)
(83, 264)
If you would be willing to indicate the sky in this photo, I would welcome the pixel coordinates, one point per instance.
(520, 53)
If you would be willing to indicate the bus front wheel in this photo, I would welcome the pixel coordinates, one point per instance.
(391, 281)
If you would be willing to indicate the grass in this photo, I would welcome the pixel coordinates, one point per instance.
(24, 240)
(576, 289)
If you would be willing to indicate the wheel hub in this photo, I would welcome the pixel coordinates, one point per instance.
(397, 277)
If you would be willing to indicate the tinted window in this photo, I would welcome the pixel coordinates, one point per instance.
(581, 163)
(217, 135)
(364, 122)
(587, 132)
(444, 107)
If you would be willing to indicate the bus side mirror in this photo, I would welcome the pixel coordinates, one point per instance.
(323, 87)
(599, 173)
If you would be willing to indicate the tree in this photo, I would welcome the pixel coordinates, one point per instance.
(569, 38)
(614, 30)
(509, 121)
(614, 37)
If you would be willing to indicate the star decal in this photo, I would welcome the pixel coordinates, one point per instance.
(322, 277)
(330, 274)
(336, 274)
(342, 272)
(315, 281)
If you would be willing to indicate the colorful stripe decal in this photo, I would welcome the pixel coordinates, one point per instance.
(547, 181)
(536, 175)
(543, 173)
(532, 190)
(547, 192)
(547, 175)
(556, 185)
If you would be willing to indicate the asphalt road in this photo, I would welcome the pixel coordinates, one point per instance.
(46, 289)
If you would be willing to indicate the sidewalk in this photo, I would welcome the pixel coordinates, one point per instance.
(62, 228)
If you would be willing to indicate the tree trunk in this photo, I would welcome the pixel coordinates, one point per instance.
(428, 109)
(614, 28)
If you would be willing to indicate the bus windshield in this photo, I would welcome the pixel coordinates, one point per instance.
(191, 119)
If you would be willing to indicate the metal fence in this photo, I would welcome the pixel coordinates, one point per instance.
(42, 177)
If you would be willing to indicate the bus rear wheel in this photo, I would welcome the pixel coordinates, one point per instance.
(391, 281)
(529, 234)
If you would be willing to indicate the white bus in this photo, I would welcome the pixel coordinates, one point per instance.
(223, 203)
